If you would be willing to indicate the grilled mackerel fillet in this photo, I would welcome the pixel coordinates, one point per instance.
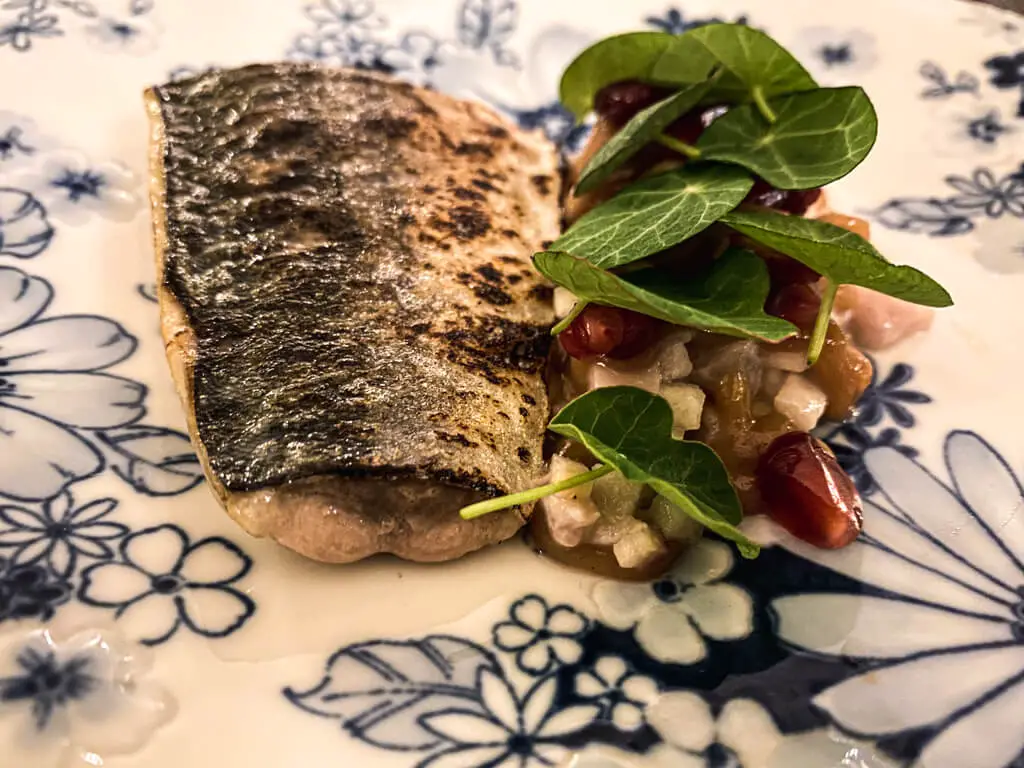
(348, 306)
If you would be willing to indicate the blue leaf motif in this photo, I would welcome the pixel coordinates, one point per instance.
(153, 460)
(486, 22)
(924, 216)
(24, 229)
(380, 690)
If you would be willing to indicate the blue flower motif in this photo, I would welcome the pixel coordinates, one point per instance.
(558, 125)
(25, 230)
(675, 23)
(343, 35)
(622, 694)
(52, 386)
(164, 582)
(47, 683)
(72, 188)
(135, 34)
(19, 33)
(984, 192)
(12, 143)
(851, 441)
(890, 398)
(943, 86)
(542, 638)
(58, 534)
(30, 592)
(1007, 70)
(986, 128)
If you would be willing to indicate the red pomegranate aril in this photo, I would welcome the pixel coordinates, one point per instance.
(806, 491)
(793, 201)
(796, 302)
(619, 102)
(609, 331)
(690, 126)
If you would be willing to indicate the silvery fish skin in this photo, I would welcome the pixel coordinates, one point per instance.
(348, 304)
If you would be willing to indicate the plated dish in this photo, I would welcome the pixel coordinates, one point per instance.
(138, 622)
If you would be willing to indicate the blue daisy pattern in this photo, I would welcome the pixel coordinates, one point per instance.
(25, 229)
(541, 637)
(836, 53)
(58, 534)
(29, 22)
(890, 398)
(73, 188)
(88, 693)
(163, 582)
(945, 563)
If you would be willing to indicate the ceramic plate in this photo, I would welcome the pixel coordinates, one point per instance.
(139, 627)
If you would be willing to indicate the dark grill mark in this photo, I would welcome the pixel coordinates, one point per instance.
(469, 194)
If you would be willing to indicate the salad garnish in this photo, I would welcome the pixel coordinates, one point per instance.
(766, 122)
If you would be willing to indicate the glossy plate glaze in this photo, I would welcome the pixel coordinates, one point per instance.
(139, 627)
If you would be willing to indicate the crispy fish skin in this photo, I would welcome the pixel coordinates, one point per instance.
(348, 305)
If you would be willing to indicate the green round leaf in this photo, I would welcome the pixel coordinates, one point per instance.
(729, 299)
(818, 137)
(654, 214)
(631, 430)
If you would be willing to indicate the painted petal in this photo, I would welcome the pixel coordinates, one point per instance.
(22, 519)
(72, 343)
(531, 612)
(565, 649)
(464, 726)
(569, 720)
(33, 551)
(511, 637)
(538, 703)
(62, 558)
(997, 722)
(151, 620)
(934, 508)
(157, 551)
(684, 720)
(707, 561)
(933, 580)
(989, 488)
(214, 561)
(667, 635)
(216, 611)
(86, 400)
(640, 689)
(610, 669)
(469, 757)
(590, 686)
(90, 513)
(877, 627)
(721, 611)
(620, 605)
(22, 299)
(97, 549)
(40, 458)
(748, 730)
(914, 694)
(627, 716)
(111, 585)
(536, 658)
(499, 699)
(563, 620)
(16, 537)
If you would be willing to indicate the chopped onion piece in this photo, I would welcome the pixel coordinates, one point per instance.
(568, 521)
(616, 497)
(673, 356)
(564, 301)
(801, 402)
(638, 547)
(563, 468)
(607, 374)
(794, 362)
(671, 521)
(687, 401)
(608, 531)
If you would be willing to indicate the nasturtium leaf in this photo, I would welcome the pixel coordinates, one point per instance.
(644, 56)
(838, 254)
(750, 60)
(655, 213)
(631, 429)
(818, 137)
(729, 299)
(644, 128)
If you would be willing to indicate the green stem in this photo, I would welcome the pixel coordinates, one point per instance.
(680, 146)
(566, 321)
(763, 106)
(525, 497)
(821, 323)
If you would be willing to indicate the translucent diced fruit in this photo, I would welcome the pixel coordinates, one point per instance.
(638, 547)
(687, 402)
(671, 521)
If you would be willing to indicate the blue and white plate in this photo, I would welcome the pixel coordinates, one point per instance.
(139, 627)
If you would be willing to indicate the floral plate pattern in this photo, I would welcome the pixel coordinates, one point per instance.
(138, 627)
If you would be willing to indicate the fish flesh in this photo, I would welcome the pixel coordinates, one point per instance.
(348, 305)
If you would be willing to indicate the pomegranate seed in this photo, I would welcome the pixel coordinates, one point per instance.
(808, 493)
(619, 102)
(690, 126)
(794, 201)
(796, 302)
(616, 333)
